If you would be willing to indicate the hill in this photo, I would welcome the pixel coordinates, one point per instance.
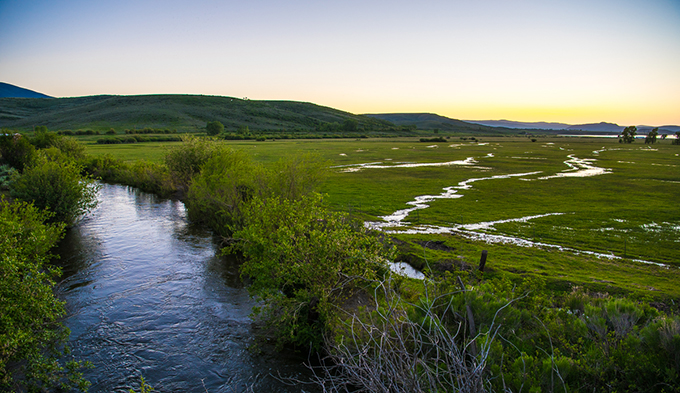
(597, 127)
(521, 125)
(181, 112)
(11, 91)
(431, 121)
(601, 128)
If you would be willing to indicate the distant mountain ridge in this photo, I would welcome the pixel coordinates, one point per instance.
(521, 125)
(11, 91)
(431, 121)
(602, 127)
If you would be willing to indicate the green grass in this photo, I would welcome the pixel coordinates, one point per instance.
(632, 212)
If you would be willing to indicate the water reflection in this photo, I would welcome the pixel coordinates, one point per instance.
(147, 293)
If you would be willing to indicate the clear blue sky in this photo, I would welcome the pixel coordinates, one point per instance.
(571, 61)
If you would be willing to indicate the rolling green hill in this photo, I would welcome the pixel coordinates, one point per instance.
(181, 112)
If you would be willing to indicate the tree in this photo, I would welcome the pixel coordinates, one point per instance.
(243, 130)
(628, 134)
(651, 137)
(350, 125)
(214, 128)
(677, 138)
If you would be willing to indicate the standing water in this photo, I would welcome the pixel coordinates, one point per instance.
(148, 295)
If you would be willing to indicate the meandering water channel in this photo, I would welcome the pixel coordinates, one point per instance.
(148, 294)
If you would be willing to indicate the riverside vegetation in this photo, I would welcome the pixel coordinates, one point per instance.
(537, 319)
(49, 193)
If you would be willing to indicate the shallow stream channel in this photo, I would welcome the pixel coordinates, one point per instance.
(147, 294)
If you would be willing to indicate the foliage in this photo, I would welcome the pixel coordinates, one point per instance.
(143, 387)
(526, 339)
(301, 257)
(350, 125)
(31, 333)
(56, 184)
(435, 139)
(70, 147)
(404, 346)
(138, 139)
(218, 192)
(651, 136)
(42, 138)
(230, 178)
(296, 175)
(214, 128)
(6, 175)
(628, 134)
(16, 151)
(185, 160)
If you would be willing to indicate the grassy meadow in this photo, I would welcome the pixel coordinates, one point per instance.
(630, 211)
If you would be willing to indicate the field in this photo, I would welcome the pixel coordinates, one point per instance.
(577, 211)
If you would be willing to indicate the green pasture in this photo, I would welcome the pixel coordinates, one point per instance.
(631, 212)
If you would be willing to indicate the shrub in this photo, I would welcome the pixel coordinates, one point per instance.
(301, 257)
(149, 177)
(6, 175)
(230, 178)
(296, 176)
(70, 147)
(436, 139)
(16, 151)
(57, 186)
(30, 329)
(43, 138)
(187, 159)
(216, 195)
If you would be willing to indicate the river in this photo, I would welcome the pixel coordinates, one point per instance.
(148, 295)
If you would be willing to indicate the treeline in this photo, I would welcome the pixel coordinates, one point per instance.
(283, 135)
(78, 132)
(437, 139)
(138, 139)
(149, 130)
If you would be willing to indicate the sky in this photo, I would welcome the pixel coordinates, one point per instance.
(570, 61)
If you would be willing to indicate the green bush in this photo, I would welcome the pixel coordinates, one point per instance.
(70, 147)
(217, 193)
(42, 138)
(296, 176)
(230, 178)
(301, 258)
(31, 333)
(214, 128)
(57, 186)
(16, 150)
(186, 160)
(6, 175)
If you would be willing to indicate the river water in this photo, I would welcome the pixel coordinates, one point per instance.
(148, 295)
